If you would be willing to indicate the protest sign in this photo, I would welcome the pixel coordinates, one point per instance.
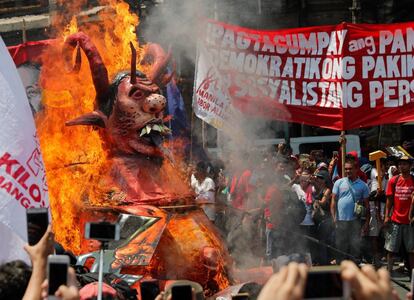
(339, 77)
(22, 173)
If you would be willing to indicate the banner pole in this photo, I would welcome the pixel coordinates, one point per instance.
(343, 151)
(356, 7)
(203, 134)
(24, 31)
(191, 136)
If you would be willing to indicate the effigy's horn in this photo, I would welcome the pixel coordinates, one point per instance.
(133, 79)
(96, 64)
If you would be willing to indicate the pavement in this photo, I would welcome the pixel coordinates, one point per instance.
(401, 280)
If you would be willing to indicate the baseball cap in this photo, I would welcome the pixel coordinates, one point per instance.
(90, 291)
(322, 165)
(405, 158)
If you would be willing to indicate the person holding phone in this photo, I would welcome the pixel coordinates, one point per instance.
(366, 283)
(67, 291)
(38, 255)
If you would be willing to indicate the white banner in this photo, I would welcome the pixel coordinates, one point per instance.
(22, 174)
(211, 102)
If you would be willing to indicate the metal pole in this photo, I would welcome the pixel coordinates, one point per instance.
(100, 276)
(356, 7)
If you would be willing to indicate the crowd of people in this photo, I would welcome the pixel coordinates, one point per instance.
(280, 210)
(19, 281)
(272, 204)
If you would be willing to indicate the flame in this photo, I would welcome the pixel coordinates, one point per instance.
(71, 28)
(75, 157)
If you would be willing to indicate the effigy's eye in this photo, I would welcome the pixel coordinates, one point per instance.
(136, 93)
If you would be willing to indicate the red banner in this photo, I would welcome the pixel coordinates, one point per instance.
(29, 51)
(339, 77)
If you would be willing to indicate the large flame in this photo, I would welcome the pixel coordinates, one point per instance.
(75, 157)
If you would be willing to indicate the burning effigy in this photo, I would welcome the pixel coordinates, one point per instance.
(108, 159)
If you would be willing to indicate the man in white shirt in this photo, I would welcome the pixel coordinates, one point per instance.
(204, 189)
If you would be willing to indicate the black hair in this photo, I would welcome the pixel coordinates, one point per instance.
(14, 278)
(202, 167)
(113, 89)
(350, 160)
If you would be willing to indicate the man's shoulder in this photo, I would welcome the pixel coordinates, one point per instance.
(393, 179)
(209, 180)
(340, 181)
(404, 181)
(360, 182)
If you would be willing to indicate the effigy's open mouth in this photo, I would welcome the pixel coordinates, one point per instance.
(154, 128)
(154, 132)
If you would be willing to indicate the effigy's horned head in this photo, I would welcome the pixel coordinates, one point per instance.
(131, 108)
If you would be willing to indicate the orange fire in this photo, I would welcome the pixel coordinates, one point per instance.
(78, 164)
(75, 157)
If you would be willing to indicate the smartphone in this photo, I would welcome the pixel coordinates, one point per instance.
(326, 285)
(335, 153)
(149, 289)
(412, 284)
(240, 296)
(57, 273)
(37, 220)
(102, 231)
(181, 292)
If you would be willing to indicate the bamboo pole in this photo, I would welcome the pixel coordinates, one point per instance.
(24, 31)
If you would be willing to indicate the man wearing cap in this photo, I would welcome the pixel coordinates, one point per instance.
(399, 194)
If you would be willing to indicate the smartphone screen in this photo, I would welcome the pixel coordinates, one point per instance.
(102, 231)
(149, 290)
(37, 222)
(181, 292)
(324, 285)
(58, 275)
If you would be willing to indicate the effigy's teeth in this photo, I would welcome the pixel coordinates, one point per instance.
(143, 131)
(157, 127)
(148, 128)
(165, 129)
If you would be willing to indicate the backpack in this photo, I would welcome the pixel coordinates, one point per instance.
(293, 211)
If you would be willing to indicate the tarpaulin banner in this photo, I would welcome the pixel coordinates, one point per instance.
(22, 173)
(340, 77)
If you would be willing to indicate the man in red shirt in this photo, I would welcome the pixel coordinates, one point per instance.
(399, 194)
(240, 188)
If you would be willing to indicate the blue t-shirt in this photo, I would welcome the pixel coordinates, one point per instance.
(344, 199)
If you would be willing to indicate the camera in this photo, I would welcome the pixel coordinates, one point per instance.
(149, 289)
(102, 231)
(326, 285)
(57, 273)
(181, 292)
(37, 220)
(240, 296)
